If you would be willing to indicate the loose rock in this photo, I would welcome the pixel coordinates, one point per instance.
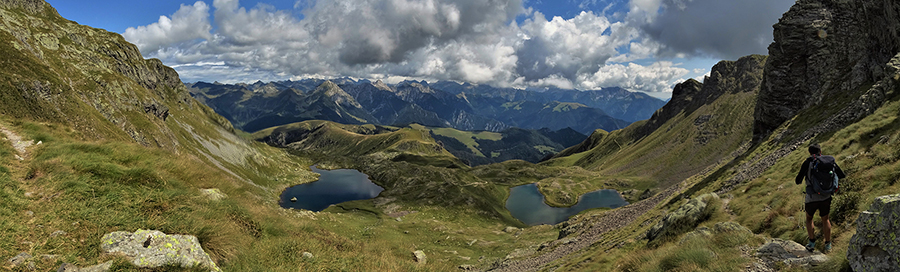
(307, 255)
(789, 253)
(875, 246)
(213, 194)
(151, 248)
(420, 257)
(20, 259)
(57, 233)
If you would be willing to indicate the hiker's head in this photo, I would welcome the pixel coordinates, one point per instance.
(814, 149)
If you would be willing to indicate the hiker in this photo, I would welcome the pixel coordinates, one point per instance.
(815, 198)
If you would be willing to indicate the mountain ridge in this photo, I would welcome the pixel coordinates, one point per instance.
(419, 103)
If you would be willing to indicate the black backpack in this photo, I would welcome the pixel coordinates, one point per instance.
(821, 175)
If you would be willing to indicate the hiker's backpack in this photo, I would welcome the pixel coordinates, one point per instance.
(821, 175)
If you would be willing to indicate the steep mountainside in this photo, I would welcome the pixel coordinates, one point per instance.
(701, 126)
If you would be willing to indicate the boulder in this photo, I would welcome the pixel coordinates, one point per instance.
(420, 257)
(789, 253)
(685, 218)
(875, 246)
(213, 194)
(151, 248)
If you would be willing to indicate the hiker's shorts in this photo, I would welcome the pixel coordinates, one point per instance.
(823, 206)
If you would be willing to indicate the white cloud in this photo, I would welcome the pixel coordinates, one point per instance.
(188, 23)
(657, 77)
(477, 41)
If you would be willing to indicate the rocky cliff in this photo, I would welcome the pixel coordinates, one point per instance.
(828, 48)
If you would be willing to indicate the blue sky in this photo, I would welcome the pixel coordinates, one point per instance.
(641, 45)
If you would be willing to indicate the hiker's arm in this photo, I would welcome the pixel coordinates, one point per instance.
(839, 172)
(804, 167)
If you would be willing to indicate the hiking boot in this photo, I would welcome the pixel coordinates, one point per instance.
(811, 245)
(827, 247)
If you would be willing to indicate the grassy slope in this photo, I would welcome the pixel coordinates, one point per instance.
(769, 205)
(105, 165)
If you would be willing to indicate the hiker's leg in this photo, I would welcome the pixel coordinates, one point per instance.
(809, 226)
(826, 224)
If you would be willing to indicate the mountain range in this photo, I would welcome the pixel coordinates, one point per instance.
(252, 107)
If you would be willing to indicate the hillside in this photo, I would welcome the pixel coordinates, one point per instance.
(95, 139)
(847, 102)
(484, 147)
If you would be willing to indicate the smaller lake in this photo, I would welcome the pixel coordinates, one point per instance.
(333, 187)
(526, 203)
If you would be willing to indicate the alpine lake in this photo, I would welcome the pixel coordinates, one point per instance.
(525, 202)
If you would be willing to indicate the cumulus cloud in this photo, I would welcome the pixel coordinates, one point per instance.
(657, 77)
(713, 28)
(188, 23)
(478, 41)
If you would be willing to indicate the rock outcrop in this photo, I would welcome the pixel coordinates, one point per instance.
(150, 248)
(780, 253)
(826, 48)
(875, 246)
(685, 218)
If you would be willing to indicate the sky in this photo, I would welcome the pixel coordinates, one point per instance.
(640, 45)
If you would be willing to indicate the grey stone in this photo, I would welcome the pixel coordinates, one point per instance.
(511, 229)
(467, 267)
(57, 233)
(20, 259)
(876, 244)
(307, 255)
(29, 213)
(151, 248)
(420, 257)
(213, 194)
(789, 253)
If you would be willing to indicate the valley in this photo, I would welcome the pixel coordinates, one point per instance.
(96, 139)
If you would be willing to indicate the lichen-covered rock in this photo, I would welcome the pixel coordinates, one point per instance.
(151, 248)
(420, 257)
(788, 253)
(686, 217)
(875, 246)
(213, 194)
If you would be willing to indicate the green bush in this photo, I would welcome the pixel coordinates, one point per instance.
(844, 207)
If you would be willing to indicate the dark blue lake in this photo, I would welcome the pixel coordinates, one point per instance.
(333, 187)
(526, 203)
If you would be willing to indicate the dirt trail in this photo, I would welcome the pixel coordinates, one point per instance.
(611, 220)
(17, 141)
